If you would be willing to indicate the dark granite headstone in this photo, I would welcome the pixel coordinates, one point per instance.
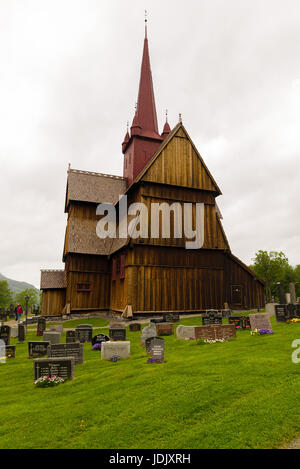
(157, 320)
(281, 313)
(148, 344)
(3, 316)
(171, 317)
(281, 294)
(226, 313)
(37, 349)
(84, 334)
(117, 334)
(41, 326)
(242, 322)
(99, 338)
(157, 349)
(135, 327)
(66, 350)
(21, 333)
(10, 351)
(62, 367)
(211, 316)
(71, 337)
(5, 334)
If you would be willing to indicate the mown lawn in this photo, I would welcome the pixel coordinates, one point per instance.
(244, 393)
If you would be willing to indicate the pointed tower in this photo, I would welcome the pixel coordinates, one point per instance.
(144, 139)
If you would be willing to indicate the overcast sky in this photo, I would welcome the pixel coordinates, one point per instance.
(68, 84)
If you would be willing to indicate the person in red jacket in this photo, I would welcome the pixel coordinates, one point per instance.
(19, 312)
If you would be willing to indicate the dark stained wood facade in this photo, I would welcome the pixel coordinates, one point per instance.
(150, 275)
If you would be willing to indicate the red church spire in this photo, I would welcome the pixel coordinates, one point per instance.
(144, 139)
(146, 110)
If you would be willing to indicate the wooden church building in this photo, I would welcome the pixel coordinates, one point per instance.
(147, 275)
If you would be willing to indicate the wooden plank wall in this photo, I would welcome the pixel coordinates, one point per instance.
(82, 268)
(53, 301)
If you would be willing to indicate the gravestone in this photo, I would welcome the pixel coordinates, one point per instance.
(117, 334)
(211, 316)
(21, 333)
(57, 328)
(10, 351)
(37, 349)
(157, 349)
(11, 313)
(185, 332)
(3, 316)
(171, 317)
(66, 350)
(99, 338)
(116, 325)
(297, 310)
(71, 337)
(14, 331)
(292, 310)
(5, 334)
(135, 327)
(215, 331)
(226, 313)
(84, 333)
(110, 349)
(239, 321)
(41, 326)
(280, 293)
(148, 331)
(293, 293)
(52, 337)
(148, 344)
(281, 313)
(260, 321)
(62, 367)
(164, 328)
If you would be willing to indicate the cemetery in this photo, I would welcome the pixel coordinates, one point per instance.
(237, 392)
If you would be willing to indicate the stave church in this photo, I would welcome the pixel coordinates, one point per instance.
(147, 274)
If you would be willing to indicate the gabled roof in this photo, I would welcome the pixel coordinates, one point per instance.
(52, 279)
(86, 186)
(179, 130)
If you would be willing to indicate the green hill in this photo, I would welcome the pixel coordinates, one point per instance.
(16, 286)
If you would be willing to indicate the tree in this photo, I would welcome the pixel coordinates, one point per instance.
(6, 296)
(33, 297)
(272, 267)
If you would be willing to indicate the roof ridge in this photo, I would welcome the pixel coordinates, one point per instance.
(52, 270)
(93, 173)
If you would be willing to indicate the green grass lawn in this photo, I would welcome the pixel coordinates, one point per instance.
(240, 394)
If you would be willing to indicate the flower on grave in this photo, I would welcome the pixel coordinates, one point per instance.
(153, 360)
(254, 332)
(46, 381)
(96, 346)
(265, 331)
(238, 327)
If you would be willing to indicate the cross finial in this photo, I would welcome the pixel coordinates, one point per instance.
(146, 20)
(166, 115)
(180, 118)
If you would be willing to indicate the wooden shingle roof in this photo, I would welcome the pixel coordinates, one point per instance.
(86, 186)
(51, 279)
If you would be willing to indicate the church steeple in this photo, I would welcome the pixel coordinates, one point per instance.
(145, 138)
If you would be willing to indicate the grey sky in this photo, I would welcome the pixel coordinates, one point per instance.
(68, 84)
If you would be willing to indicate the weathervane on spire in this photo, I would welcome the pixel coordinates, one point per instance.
(166, 115)
(180, 118)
